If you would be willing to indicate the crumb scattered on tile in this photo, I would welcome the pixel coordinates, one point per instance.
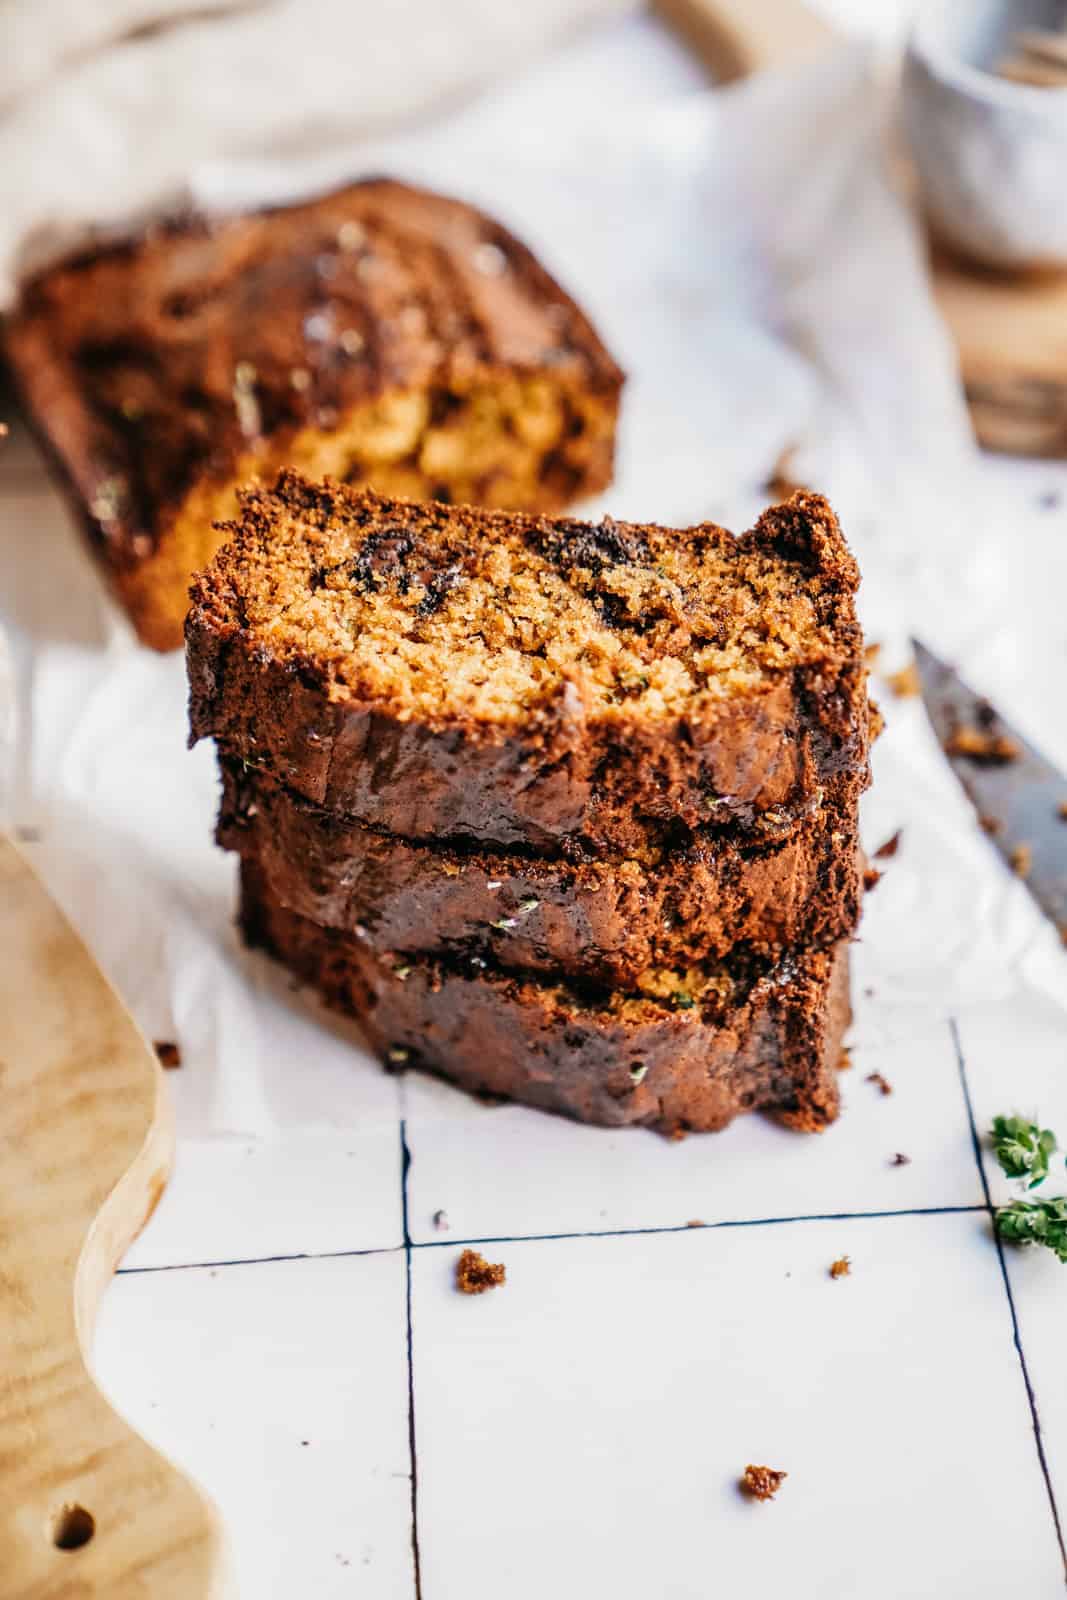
(880, 1083)
(440, 1221)
(841, 1268)
(906, 683)
(991, 825)
(1022, 859)
(762, 1483)
(1061, 810)
(844, 1063)
(474, 1274)
(871, 654)
(983, 744)
(887, 851)
(782, 482)
(169, 1054)
(900, 1159)
(871, 878)
(696, 1222)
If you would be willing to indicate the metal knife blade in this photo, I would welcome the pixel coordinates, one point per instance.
(1020, 797)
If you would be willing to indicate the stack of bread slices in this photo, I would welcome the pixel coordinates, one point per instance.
(564, 812)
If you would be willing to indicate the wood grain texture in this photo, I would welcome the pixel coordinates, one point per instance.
(1011, 333)
(1010, 330)
(735, 38)
(87, 1509)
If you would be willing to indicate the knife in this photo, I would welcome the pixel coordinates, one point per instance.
(1020, 797)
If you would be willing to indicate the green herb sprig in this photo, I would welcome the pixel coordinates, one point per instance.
(1024, 1151)
(1036, 1222)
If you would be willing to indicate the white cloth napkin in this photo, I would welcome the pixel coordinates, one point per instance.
(751, 266)
(109, 107)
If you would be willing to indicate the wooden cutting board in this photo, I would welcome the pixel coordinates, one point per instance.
(1010, 330)
(87, 1510)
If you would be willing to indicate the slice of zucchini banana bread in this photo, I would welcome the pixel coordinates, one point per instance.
(695, 898)
(688, 1051)
(436, 671)
(382, 334)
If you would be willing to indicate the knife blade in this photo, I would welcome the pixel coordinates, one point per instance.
(1020, 797)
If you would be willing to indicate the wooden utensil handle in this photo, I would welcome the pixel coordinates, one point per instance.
(735, 38)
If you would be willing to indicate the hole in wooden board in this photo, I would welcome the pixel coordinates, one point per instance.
(72, 1528)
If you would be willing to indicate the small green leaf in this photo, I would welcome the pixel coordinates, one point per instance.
(1023, 1149)
(683, 1001)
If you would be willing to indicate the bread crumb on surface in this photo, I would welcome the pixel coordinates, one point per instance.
(887, 851)
(474, 1274)
(1061, 810)
(900, 1159)
(841, 1268)
(762, 1483)
(881, 1083)
(169, 1054)
(982, 744)
(440, 1221)
(783, 480)
(906, 683)
(1022, 859)
(991, 825)
(844, 1062)
(871, 654)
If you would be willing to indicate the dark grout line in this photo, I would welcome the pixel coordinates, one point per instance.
(405, 1166)
(1006, 1280)
(698, 1227)
(259, 1261)
(409, 1244)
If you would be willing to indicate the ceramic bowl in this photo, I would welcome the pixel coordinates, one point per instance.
(991, 153)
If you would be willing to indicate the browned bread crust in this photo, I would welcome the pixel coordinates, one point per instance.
(603, 921)
(616, 1060)
(382, 333)
(365, 652)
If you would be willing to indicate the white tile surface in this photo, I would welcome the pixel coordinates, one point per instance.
(1016, 1062)
(581, 1430)
(304, 1194)
(230, 1370)
(505, 1171)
